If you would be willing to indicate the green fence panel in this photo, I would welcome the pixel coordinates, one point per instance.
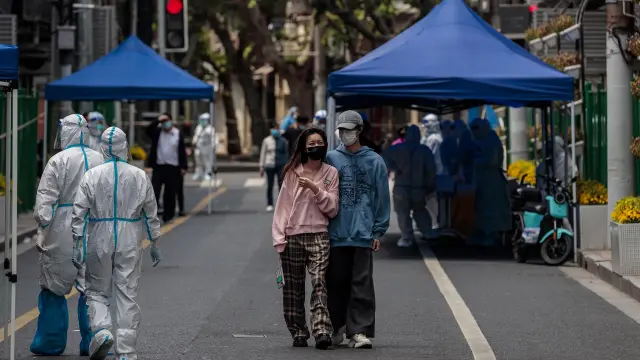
(636, 133)
(27, 147)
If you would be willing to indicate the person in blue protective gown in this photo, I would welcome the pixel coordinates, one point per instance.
(54, 199)
(449, 149)
(114, 210)
(415, 169)
(290, 119)
(465, 151)
(493, 211)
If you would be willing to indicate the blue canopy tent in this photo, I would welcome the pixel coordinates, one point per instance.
(133, 71)
(9, 69)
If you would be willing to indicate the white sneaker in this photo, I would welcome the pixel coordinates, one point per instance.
(404, 243)
(338, 336)
(196, 177)
(100, 345)
(269, 208)
(360, 341)
(207, 178)
(131, 356)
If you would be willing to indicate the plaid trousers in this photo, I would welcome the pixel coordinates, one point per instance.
(310, 251)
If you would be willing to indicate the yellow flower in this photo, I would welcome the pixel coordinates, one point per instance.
(627, 211)
(138, 153)
(591, 192)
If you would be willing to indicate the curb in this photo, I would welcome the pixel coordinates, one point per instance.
(22, 236)
(601, 268)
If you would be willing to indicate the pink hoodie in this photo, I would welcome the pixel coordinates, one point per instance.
(299, 211)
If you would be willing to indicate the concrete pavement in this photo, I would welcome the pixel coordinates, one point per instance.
(214, 297)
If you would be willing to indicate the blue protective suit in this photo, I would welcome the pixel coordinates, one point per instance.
(288, 120)
(415, 168)
(449, 148)
(493, 211)
(466, 147)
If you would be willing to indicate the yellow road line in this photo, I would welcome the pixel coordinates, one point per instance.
(33, 314)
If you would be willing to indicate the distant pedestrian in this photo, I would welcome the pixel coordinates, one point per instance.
(400, 133)
(274, 154)
(308, 199)
(363, 218)
(290, 119)
(168, 158)
(292, 133)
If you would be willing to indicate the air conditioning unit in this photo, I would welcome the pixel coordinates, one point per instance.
(8, 29)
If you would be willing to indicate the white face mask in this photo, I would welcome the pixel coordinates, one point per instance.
(348, 137)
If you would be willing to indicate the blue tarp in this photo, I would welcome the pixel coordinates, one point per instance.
(450, 60)
(9, 59)
(133, 71)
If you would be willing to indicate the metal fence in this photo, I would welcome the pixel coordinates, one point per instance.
(27, 145)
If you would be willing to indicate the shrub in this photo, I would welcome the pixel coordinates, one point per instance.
(627, 211)
(591, 192)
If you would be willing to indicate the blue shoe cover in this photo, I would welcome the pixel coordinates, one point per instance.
(83, 324)
(53, 323)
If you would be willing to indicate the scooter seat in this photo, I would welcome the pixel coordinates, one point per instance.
(529, 194)
(536, 208)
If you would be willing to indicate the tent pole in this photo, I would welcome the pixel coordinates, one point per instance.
(45, 132)
(6, 311)
(14, 219)
(331, 123)
(574, 189)
(215, 150)
(132, 123)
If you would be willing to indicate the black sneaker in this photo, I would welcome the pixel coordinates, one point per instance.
(323, 342)
(300, 341)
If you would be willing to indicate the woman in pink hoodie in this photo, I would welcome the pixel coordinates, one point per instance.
(307, 200)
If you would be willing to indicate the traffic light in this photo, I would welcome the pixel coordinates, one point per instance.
(176, 26)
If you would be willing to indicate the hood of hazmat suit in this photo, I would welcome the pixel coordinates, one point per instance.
(433, 139)
(289, 120)
(320, 119)
(204, 142)
(563, 168)
(54, 200)
(97, 124)
(415, 169)
(114, 210)
(493, 211)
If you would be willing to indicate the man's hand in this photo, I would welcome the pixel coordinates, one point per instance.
(308, 184)
(183, 172)
(261, 172)
(376, 245)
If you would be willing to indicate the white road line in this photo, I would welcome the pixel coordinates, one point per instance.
(621, 301)
(214, 183)
(254, 182)
(476, 340)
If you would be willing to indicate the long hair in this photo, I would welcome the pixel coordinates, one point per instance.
(300, 147)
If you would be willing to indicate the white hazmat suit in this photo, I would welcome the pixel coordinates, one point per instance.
(54, 200)
(114, 210)
(96, 127)
(204, 142)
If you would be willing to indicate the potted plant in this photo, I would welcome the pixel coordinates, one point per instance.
(561, 23)
(625, 236)
(633, 45)
(572, 33)
(593, 199)
(138, 156)
(635, 86)
(521, 168)
(534, 36)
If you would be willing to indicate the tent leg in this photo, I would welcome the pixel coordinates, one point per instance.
(6, 310)
(213, 176)
(14, 219)
(45, 135)
(331, 123)
(574, 190)
(132, 123)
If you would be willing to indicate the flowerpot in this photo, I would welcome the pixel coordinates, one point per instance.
(625, 248)
(571, 33)
(536, 45)
(594, 221)
(551, 41)
(573, 71)
(138, 163)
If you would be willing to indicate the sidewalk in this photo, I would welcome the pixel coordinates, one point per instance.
(27, 227)
(598, 262)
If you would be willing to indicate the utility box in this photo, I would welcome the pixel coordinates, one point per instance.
(67, 38)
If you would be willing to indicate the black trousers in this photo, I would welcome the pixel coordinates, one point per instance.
(351, 295)
(272, 173)
(169, 176)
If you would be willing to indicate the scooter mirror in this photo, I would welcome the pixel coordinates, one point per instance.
(575, 179)
(522, 179)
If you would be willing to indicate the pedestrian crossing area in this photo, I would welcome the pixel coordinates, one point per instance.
(254, 182)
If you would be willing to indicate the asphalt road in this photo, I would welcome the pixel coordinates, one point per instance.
(214, 297)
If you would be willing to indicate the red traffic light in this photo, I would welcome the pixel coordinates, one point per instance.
(174, 7)
(533, 8)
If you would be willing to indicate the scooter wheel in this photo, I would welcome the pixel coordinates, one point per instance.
(519, 253)
(558, 252)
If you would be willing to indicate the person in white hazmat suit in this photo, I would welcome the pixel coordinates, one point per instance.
(54, 199)
(204, 142)
(433, 139)
(96, 127)
(114, 209)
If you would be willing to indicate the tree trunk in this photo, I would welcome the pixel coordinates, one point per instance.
(259, 127)
(233, 138)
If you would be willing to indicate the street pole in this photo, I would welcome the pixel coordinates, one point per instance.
(85, 41)
(319, 72)
(620, 162)
(161, 39)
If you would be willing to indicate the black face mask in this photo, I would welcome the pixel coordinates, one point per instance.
(317, 152)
